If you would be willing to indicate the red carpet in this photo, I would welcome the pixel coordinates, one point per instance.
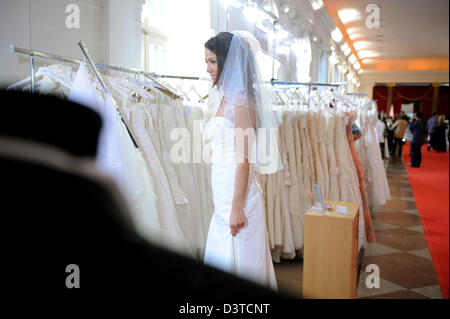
(430, 189)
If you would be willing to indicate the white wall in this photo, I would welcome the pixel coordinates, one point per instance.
(124, 32)
(40, 25)
(110, 29)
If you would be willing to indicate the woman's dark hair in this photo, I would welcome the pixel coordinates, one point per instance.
(219, 45)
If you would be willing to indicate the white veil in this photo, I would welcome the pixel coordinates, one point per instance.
(248, 105)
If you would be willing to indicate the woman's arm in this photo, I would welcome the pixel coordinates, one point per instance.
(237, 217)
(244, 119)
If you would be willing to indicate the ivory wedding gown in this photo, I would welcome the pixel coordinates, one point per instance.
(247, 254)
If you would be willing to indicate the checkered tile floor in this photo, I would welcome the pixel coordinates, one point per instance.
(401, 253)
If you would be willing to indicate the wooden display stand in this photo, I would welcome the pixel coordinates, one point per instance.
(331, 253)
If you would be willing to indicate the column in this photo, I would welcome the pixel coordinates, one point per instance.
(390, 97)
(435, 103)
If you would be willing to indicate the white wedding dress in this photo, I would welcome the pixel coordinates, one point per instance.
(247, 254)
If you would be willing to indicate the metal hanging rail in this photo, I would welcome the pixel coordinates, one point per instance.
(45, 55)
(358, 94)
(182, 77)
(104, 87)
(273, 82)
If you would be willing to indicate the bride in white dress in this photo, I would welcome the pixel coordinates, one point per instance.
(237, 239)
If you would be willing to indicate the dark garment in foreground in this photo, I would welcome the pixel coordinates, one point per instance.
(64, 212)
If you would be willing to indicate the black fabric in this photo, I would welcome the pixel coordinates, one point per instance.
(438, 138)
(397, 146)
(416, 159)
(57, 218)
(50, 120)
(53, 217)
(418, 129)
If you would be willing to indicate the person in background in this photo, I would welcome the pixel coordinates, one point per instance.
(437, 135)
(381, 129)
(399, 129)
(390, 133)
(418, 128)
(431, 122)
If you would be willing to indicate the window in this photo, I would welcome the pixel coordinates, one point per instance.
(302, 49)
(269, 67)
(323, 68)
(336, 74)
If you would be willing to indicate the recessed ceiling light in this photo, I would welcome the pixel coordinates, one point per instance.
(358, 45)
(316, 4)
(348, 15)
(366, 54)
(352, 59)
(337, 35)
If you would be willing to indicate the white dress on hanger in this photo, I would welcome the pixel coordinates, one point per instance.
(247, 254)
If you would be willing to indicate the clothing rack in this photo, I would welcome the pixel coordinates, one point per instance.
(308, 84)
(93, 66)
(182, 77)
(45, 55)
(358, 94)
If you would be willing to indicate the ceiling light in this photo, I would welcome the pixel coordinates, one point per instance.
(360, 71)
(336, 35)
(286, 9)
(333, 60)
(366, 54)
(348, 15)
(352, 30)
(354, 36)
(357, 66)
(316, 4)
(359, 45)
(352, 59)
(315, 39)
(346, 49)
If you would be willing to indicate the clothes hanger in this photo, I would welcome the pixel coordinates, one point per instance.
(180, 89)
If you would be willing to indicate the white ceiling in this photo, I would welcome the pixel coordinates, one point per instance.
(416, 31)
(413, 34)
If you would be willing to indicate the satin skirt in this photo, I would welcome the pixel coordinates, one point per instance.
(247, 254)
